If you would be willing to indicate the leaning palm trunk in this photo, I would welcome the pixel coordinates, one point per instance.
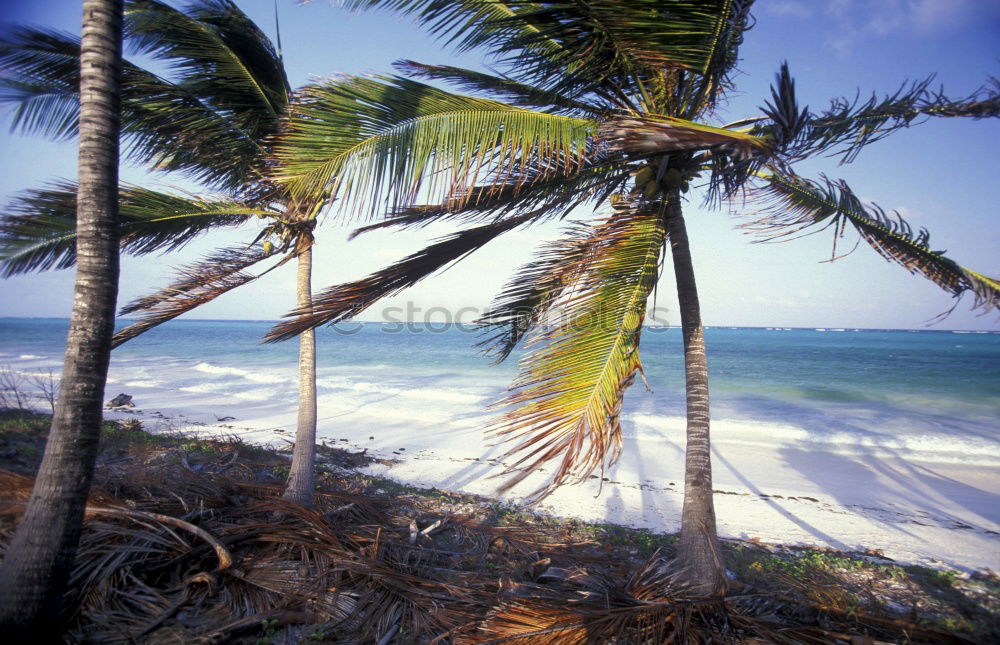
(302, 476)
(39, 558)
(699, 559)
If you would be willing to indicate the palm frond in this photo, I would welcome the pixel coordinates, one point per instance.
(588, 607)
(41, 78)
(572, 47)
(787, 119)
(222, 55)
(722, 54)
(468, 24)
(39, 231)
(785, 123)
(497, 87)
(382, 141)
(196, 284)
(529, 295)
(164, 124)
(39, 109)
(546, 194)
(658, 134)
(794, 204)
(342, 302)
(849, 125)
(567, 399)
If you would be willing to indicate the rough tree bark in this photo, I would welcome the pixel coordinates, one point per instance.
(38, 561)
(699, 561)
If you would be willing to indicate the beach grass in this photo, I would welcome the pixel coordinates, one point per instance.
(489, 555)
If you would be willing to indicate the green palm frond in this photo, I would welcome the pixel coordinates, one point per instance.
(497, 87)
(164, 124)
(345, 301)
(576, 46)
(384, 141)
(722, 54)
(530, 294)
(39, 230)
(196, 284)
(787, 119)
(794, 204)
(222, 55)
(848, 125)
(468, 24)
(553, 196)
(567, 399)
(41, 79)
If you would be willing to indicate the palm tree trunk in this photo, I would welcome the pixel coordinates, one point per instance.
(302, 474)
(40, 556)
(699, 559)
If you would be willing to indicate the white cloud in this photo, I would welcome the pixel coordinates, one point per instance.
(857, 19)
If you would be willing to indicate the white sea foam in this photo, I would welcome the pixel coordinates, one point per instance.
(143, 384)
(256, 377)
(202, 388)
(442, 395)
(254, 395)
(29, 357)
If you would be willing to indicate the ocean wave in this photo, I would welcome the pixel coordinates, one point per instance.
(142, 384)
(254, 395)
(255, 377)
(202, 388)
(449, 395)
(443, 396)
(29, 357)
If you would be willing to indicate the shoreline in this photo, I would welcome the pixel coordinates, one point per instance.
(902, 509)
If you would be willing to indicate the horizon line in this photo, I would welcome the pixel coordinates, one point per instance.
(773, 327)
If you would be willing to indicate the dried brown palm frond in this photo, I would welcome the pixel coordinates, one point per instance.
(342, 302)
(580, 607)
(793, 206)
(154, 578)
(196, 284)
(16, 491)
(577, 606)
(141, 577)
(359, 582)
(656, 134)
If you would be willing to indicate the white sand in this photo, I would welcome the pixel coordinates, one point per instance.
(912, 510)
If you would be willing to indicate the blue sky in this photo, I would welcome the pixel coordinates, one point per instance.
(940, 174)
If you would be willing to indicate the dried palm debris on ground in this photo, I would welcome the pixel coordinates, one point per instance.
(187, 540)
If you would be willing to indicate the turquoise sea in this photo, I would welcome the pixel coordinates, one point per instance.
(930, 395)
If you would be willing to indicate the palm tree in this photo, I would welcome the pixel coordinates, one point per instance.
(37, 563)
(601, 102)
(214, 122)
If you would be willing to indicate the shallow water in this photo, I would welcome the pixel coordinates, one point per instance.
(928, 395)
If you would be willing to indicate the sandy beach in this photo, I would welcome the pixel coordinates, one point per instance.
(906, 509)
